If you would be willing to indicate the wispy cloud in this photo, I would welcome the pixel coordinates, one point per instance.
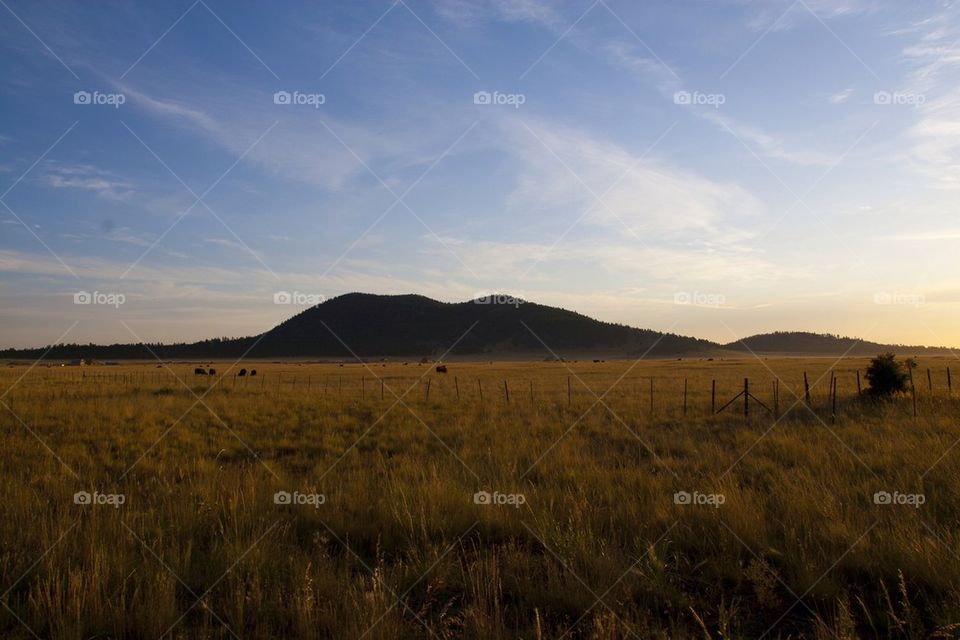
(841, 96)
(89, 178)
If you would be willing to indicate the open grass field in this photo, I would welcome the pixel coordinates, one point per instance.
(322, 501)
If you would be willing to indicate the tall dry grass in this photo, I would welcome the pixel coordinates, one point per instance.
(599, 547)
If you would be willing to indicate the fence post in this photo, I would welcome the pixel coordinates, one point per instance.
(746, 397)
(949, 382)
(651, 396)
(480, 389)
(684, 396)
(806, 388)
(381, 389)
(713, 397)
(929, 380)
(456, 386)
(833, 408)
(569, 392)
(531, 392)
(506, 392)
(426, 396)
(859, 390)
(913, 391)
(776, 399)
(363, 387)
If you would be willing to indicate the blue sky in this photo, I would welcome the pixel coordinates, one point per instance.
(713, 168)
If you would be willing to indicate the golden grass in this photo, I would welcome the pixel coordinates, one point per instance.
(598, 549)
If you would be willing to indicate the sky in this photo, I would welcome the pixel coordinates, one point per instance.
(189, 169)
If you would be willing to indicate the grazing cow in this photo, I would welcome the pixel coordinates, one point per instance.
(253, 372)
(199, 371)
(242, 372)
(213, 372)
(441, 368)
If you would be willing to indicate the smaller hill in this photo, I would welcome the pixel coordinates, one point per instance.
(822, 344)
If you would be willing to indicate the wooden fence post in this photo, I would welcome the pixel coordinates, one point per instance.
(456, 385)
(426, 396)
(776, 399)
(569, 392)
(381, 389)
(480, 389)
(713, 397)
(949, 382)
(929, 380)
(531, 392)
(684, 396)
(833, 408)
(506, 392)
(806, 388)
(913, 391)
(746, 397)
(859, 390)
(651, 396)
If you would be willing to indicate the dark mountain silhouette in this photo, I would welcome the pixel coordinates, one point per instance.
(410, 324)
(366, 325)
(806, 343)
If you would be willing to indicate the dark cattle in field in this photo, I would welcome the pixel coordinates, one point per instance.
(242, 372)
(213, 372)
(199, 372)
(253, 372)
(441, 368)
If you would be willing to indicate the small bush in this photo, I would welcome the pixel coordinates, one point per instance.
(886, 376)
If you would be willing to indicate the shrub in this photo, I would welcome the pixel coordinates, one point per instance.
(886, 376)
